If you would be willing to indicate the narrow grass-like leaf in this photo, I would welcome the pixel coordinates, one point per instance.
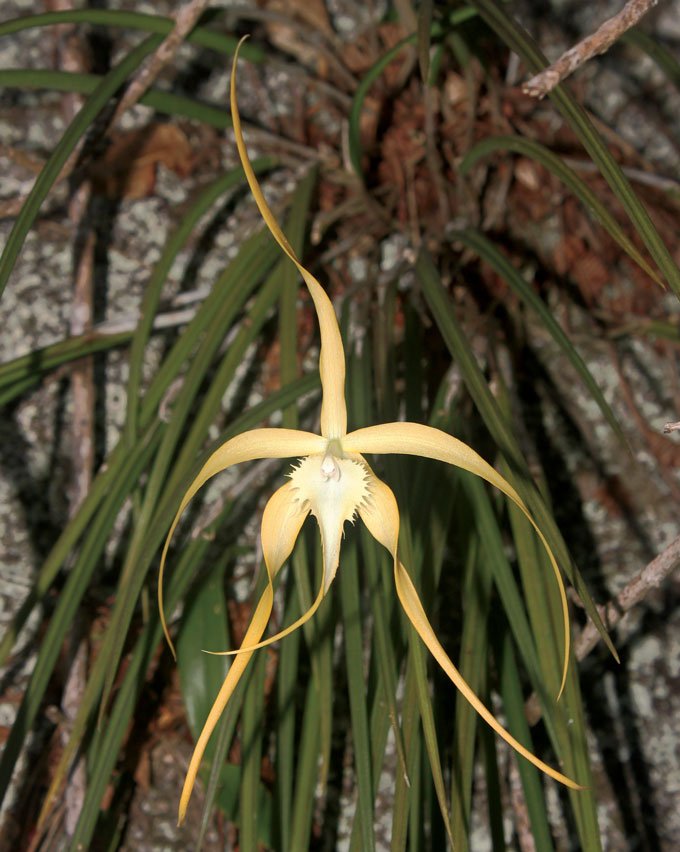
(473, 662)
(85, 84)
(543, 155)
(100, 774)
(513, 704)
(495, 258)
(517, 39)
(384, 714)
(667, 61)
(250, 811)
(350, 600)
(256, 256)
(200, 36)
(66, 145)
(407, 784)
(204, 628)
(411, 552)
(417, 791)
(496, 561)
(429, 728)
(417, 654)
(494, 802)
(27, 370)
(567, 719)
(286, 696)
(307, 767)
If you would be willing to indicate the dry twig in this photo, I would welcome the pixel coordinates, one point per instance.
(599, 42)
(651, 577)
(671, 427)
(185, 20)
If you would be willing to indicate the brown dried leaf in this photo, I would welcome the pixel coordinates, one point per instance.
(359, 55)
(287, 38)
(128, 168)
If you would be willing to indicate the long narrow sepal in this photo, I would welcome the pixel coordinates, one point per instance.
(408, 596)
(332, 356)
(255, 630)
(282, 521)
(419, 440)
(303, 619)
(256, 444)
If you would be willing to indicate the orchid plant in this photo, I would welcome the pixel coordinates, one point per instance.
(333, 481)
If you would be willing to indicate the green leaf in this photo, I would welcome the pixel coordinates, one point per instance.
(204, 628)
(200, 36)
(567, 722)
(513, 705)
(350, 600)
(473, 666)
(22, 373)
(656, 51)
(86, 84)
(254, 822)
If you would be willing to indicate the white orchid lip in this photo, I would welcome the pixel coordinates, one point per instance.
(334, 489)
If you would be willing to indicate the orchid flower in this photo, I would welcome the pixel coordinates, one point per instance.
(332, 480)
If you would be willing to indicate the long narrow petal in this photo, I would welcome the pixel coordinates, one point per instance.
(418, 440)
(303, 619)
(380, 513)
(255, 630)
(256, 444)
(414, 610)
(332, 357)
(282, 521)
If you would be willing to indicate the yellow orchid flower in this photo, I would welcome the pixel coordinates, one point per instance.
(332, 481)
